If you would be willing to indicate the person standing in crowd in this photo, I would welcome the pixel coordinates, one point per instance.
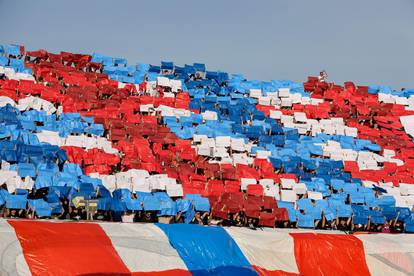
(323, 76)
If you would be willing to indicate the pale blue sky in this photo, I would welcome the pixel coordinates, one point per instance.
(366, 41)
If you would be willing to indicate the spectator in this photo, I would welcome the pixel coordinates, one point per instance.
(128, 217)
(386, 228)
(323, 76)
(200, 219)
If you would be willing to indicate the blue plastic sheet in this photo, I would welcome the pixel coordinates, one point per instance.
(151, 203)
(133, 204)
(40, 207)
(16, 202)
(207, 250)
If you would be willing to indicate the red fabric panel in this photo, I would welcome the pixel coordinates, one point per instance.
(329, 254)
(67, 248)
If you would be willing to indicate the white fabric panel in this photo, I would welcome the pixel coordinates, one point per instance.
(275, 114)
(287, 183)
(6, 100)
(406, 189)
(272, 191)
(37, 104)
(209, 115)
(268, 250)
(12, 261)
(263, 154)
(172, 111)
(386, 98)
(199, 138)
(139, 181)
(408, 124)
(109, 181)
(247, 181)
(266, 182)
(13, 180)
(255, 93)
(12, 75)
(175, 190)
(284, 92)
(143, 247)
(300, 188)
(81, 141)
(175, 85)
(389, 254)
(366, 160)
(315, 195)
(223, 141)
(288, 195)
(146, 107)
(300, 117)
(141, 186)
(163, 81)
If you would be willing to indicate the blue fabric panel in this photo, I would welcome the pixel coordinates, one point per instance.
(21, 191)
(103, 203)
(360, 220)
(202, 204)
(357, 197)
(329, 214)
(40, 207)
(378, 219)
(216, 253)
(409, 226)
(133, 204)
(306, 221)
(344, 211)
(121, 194)
(151, 203)
(4, 61)
(168, 208)
(183, 205)
(13, 49)
(16, 202)
(117, 205)
(27, 170)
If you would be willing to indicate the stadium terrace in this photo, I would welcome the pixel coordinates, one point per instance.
(184, 145)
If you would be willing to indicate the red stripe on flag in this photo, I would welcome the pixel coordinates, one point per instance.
(329, 254)
(67, 249)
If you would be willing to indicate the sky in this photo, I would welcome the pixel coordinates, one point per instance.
(370, 42)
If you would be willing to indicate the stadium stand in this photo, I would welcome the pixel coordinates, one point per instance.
(182, 144)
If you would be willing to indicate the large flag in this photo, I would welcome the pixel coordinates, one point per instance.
(72, 248)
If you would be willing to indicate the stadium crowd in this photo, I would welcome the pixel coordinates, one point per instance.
(230, 152)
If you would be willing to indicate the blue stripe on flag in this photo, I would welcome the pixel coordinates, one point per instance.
(207, 250)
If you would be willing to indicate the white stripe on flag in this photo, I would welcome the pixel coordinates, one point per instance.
(12, 261)
(269, 250)
(387, 254)
(143, 247)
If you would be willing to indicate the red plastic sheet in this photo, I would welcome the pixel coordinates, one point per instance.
(329, 254)
(72, 249)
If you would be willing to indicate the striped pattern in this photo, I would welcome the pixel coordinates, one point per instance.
(66, 248)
